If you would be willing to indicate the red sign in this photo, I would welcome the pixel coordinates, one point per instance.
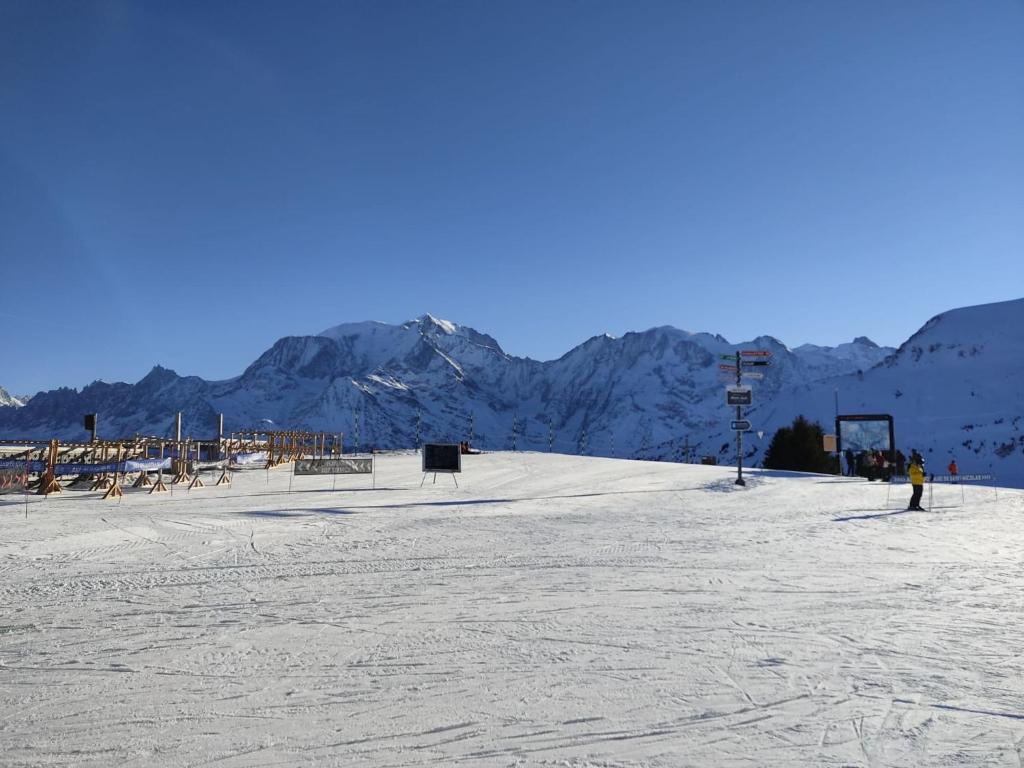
(727, 367)
(755, 353)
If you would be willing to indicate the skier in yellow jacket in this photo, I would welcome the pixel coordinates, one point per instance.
(916, 472)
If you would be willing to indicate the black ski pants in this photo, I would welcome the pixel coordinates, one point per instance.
(915, 497)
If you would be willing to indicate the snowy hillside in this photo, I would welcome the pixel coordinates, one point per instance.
(650, 394)
(550, 611)
(953, 388)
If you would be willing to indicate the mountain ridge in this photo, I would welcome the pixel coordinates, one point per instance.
(644, 394)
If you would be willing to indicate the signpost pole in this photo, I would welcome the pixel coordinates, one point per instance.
(739, 433)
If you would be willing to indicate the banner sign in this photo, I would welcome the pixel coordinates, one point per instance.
(145, 465)
(85, 469)
(334, 466)
(948, 478)
(959, 478)
(20, 465)
(243, 459)
(139, 465)
(201, 465)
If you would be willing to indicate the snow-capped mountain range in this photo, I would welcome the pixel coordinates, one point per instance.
(952, 388)
(6, 398)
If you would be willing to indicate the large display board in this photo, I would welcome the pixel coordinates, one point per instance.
(865, 432)
(440, 457)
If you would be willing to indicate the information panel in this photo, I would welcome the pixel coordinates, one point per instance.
(865, 432)
(334, 466)
(440, 457)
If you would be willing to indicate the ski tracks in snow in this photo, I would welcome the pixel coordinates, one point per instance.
(550, 611)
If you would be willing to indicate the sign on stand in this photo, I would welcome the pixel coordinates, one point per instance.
(336, 465)
(739, 425)
(441, 457)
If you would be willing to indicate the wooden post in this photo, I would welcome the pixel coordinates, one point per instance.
(159, 486)
(102, 481)
(114, 491)
(48, 483)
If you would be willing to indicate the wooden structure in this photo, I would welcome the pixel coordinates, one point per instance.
(100, 465)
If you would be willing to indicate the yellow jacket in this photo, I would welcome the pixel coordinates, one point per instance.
(916, 472)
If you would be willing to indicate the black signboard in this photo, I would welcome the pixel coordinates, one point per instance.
(439, 457)
(739, 396)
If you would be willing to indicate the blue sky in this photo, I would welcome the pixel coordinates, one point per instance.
(184, 183)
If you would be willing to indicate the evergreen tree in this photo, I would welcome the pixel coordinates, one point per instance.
(799, 447)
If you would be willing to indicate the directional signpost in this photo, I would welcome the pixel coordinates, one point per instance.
(741, 395)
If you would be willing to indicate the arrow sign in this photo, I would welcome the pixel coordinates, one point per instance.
(755, 353)
(727, 368)
(728, 357)
(739, 425)
(752, 375)
(755, 362)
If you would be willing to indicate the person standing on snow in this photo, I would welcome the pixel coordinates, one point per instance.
(916, 472)
(851, 462)
(953, 469)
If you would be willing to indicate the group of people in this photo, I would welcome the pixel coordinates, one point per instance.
(874, 465)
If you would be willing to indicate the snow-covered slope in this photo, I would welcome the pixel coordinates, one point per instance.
(550, 611)
(652, 394)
